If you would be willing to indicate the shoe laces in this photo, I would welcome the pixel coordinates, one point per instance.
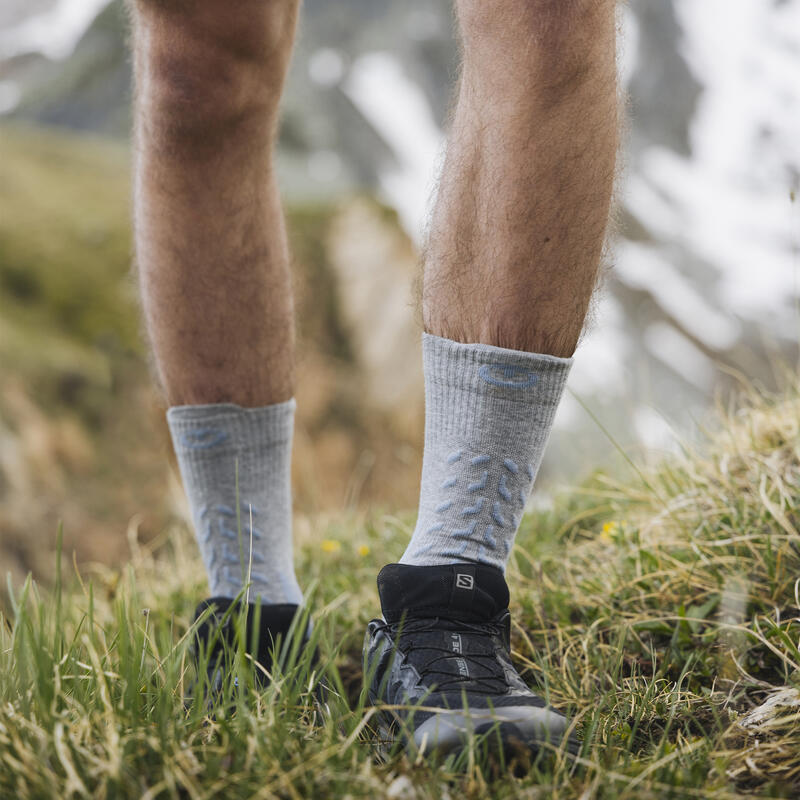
(453, 655)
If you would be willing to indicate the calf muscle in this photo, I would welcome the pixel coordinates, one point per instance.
(210, 239)
(523, 204)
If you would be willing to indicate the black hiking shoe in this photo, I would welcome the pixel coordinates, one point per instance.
(269, 631)
(441, 662)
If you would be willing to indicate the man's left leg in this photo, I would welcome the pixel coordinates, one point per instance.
(515, 244)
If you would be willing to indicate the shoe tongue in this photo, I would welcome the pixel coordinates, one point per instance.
(468, 592)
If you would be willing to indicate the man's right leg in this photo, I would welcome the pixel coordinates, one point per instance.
(213, 267)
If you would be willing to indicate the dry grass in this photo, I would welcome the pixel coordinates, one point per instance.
(661, 614)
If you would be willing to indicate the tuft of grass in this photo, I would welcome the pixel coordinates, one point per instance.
(661, 614)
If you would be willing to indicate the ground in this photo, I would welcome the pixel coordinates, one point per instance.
(658, 610)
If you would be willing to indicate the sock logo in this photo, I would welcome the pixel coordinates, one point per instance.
(509, 377)
(203, 439)
(464, 581)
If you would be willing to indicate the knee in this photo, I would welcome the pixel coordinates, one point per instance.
(541, 50)
(530, 26)
(206, 63)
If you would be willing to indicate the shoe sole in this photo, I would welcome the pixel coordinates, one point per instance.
(497, 737)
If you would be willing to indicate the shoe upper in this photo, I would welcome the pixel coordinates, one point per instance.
(270, 633)
(443, 647)
(265, 626)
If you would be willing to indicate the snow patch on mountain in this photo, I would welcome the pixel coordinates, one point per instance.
(730, 205)
(54, 33)
(400, 113)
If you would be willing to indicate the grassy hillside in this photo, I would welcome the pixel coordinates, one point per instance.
(661, 613)
(82, 433)
(79, 436)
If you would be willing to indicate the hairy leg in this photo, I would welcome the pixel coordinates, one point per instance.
(512, 259)
(523, 205)
(210, 240)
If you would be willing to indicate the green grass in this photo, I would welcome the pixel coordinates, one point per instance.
(661, 614)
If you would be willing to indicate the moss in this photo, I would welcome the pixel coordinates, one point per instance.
(64, 237)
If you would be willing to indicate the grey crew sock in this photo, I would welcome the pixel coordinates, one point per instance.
(210, 441)
(488, 415)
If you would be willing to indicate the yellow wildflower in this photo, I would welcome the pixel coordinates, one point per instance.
(363, 550)
(609, 529)
(331, 546)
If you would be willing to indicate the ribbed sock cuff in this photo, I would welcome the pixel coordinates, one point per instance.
(468, 384)
(206, 427)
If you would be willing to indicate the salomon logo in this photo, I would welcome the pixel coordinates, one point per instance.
(507, 377)
(465, 581)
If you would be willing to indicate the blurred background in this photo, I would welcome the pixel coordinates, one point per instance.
(703, 294)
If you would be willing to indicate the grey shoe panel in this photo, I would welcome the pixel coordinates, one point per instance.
(447, 730)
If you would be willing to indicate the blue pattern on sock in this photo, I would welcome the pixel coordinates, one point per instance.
(511, 466)
(439, 526)
(479, 484)
(512, 486)
(203, 439)
(497, 515)
(470, 511)
(465, 532)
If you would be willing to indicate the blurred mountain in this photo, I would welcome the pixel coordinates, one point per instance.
(90, 89)
(87, 91)
(364, 111)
